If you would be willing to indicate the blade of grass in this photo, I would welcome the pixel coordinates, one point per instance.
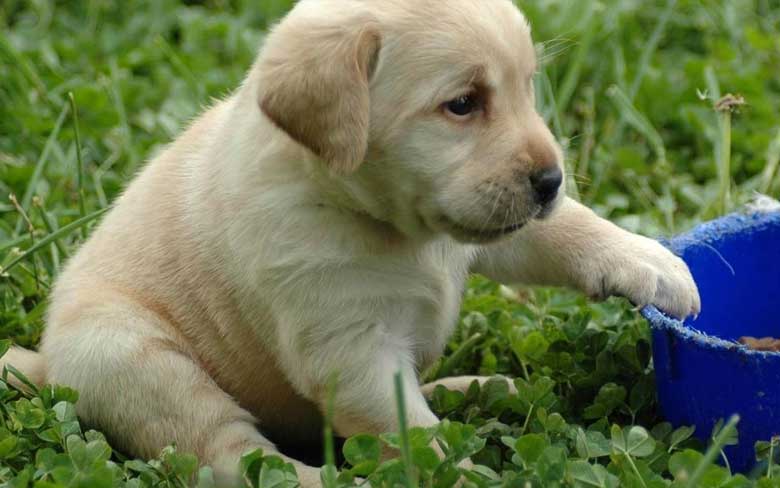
(772, 164)
(403, 431)
(551, 111)
(40, 165)
(713, 85)
(549, 105)
(630, 115)
(30, 231)
(714, 93)
(452, 362)
(64, 231)
(638, 121)
(8, 369)
(572, 77)
(650, 48)
(31, 274)
(619, 66)
(329, 471)
(97, 178)
(588, 143)
(181, 67)
(771, 459)
(23, 64)
(51, 228)
(121, 110)
(724, 163)
(644, 63)
(725, 108)
(713, 452)
(14, 243)
(79, 158)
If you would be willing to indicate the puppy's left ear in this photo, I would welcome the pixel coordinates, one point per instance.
(314, 83)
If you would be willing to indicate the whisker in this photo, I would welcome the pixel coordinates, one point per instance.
(492, 211)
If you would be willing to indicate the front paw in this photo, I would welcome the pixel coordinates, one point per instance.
(646, 273)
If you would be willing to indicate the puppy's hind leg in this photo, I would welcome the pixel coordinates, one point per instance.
(143, 388)
(29, 363)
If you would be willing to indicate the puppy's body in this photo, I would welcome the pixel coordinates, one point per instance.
(329, 233)
(170, 247)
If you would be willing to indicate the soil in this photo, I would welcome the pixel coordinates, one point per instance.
(765, 344)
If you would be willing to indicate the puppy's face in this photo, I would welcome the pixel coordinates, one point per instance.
(454, 115)
(450, 129)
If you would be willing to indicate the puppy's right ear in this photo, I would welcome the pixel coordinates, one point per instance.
(314, 83)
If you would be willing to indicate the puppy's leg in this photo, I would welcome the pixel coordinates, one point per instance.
(364, 357)
(369, 405)
(139, 383)
(574, 247)
(30, 363)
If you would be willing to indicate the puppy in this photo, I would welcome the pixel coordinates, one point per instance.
(323, 220)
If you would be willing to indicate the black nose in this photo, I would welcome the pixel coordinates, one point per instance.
(546, 184)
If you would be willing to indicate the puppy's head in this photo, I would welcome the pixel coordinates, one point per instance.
(429, 103)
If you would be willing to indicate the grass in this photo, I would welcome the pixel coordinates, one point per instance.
(90, 89)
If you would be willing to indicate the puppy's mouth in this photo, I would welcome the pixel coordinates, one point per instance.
(547, 210)
(471, 234)
(474, 235)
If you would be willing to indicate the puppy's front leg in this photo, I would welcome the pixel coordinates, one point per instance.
(366, 397)
(363, 355)
(575, 247)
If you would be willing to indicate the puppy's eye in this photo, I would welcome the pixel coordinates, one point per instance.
(463, 106)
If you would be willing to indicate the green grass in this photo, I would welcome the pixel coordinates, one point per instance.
(90, 89)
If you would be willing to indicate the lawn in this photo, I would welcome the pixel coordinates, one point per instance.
(90, 89)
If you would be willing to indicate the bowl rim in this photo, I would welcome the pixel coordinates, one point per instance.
(707, 233)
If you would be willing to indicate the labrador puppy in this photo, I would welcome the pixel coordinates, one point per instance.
(322, 221)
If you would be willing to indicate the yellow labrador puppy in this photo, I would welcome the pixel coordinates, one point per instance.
(323, 219)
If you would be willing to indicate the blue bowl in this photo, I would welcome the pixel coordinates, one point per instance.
(703, 374)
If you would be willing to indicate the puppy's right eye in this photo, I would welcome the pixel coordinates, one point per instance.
(462, 107)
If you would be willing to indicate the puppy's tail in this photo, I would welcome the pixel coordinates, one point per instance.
(30, 364)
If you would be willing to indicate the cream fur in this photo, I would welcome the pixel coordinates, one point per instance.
(324, 219)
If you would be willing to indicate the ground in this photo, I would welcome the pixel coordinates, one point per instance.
(629, 87)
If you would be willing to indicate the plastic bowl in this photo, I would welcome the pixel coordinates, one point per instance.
(702, 373)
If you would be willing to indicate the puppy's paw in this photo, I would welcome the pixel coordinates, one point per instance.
(646, 273)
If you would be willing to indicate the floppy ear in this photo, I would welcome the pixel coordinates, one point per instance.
(314, 84)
